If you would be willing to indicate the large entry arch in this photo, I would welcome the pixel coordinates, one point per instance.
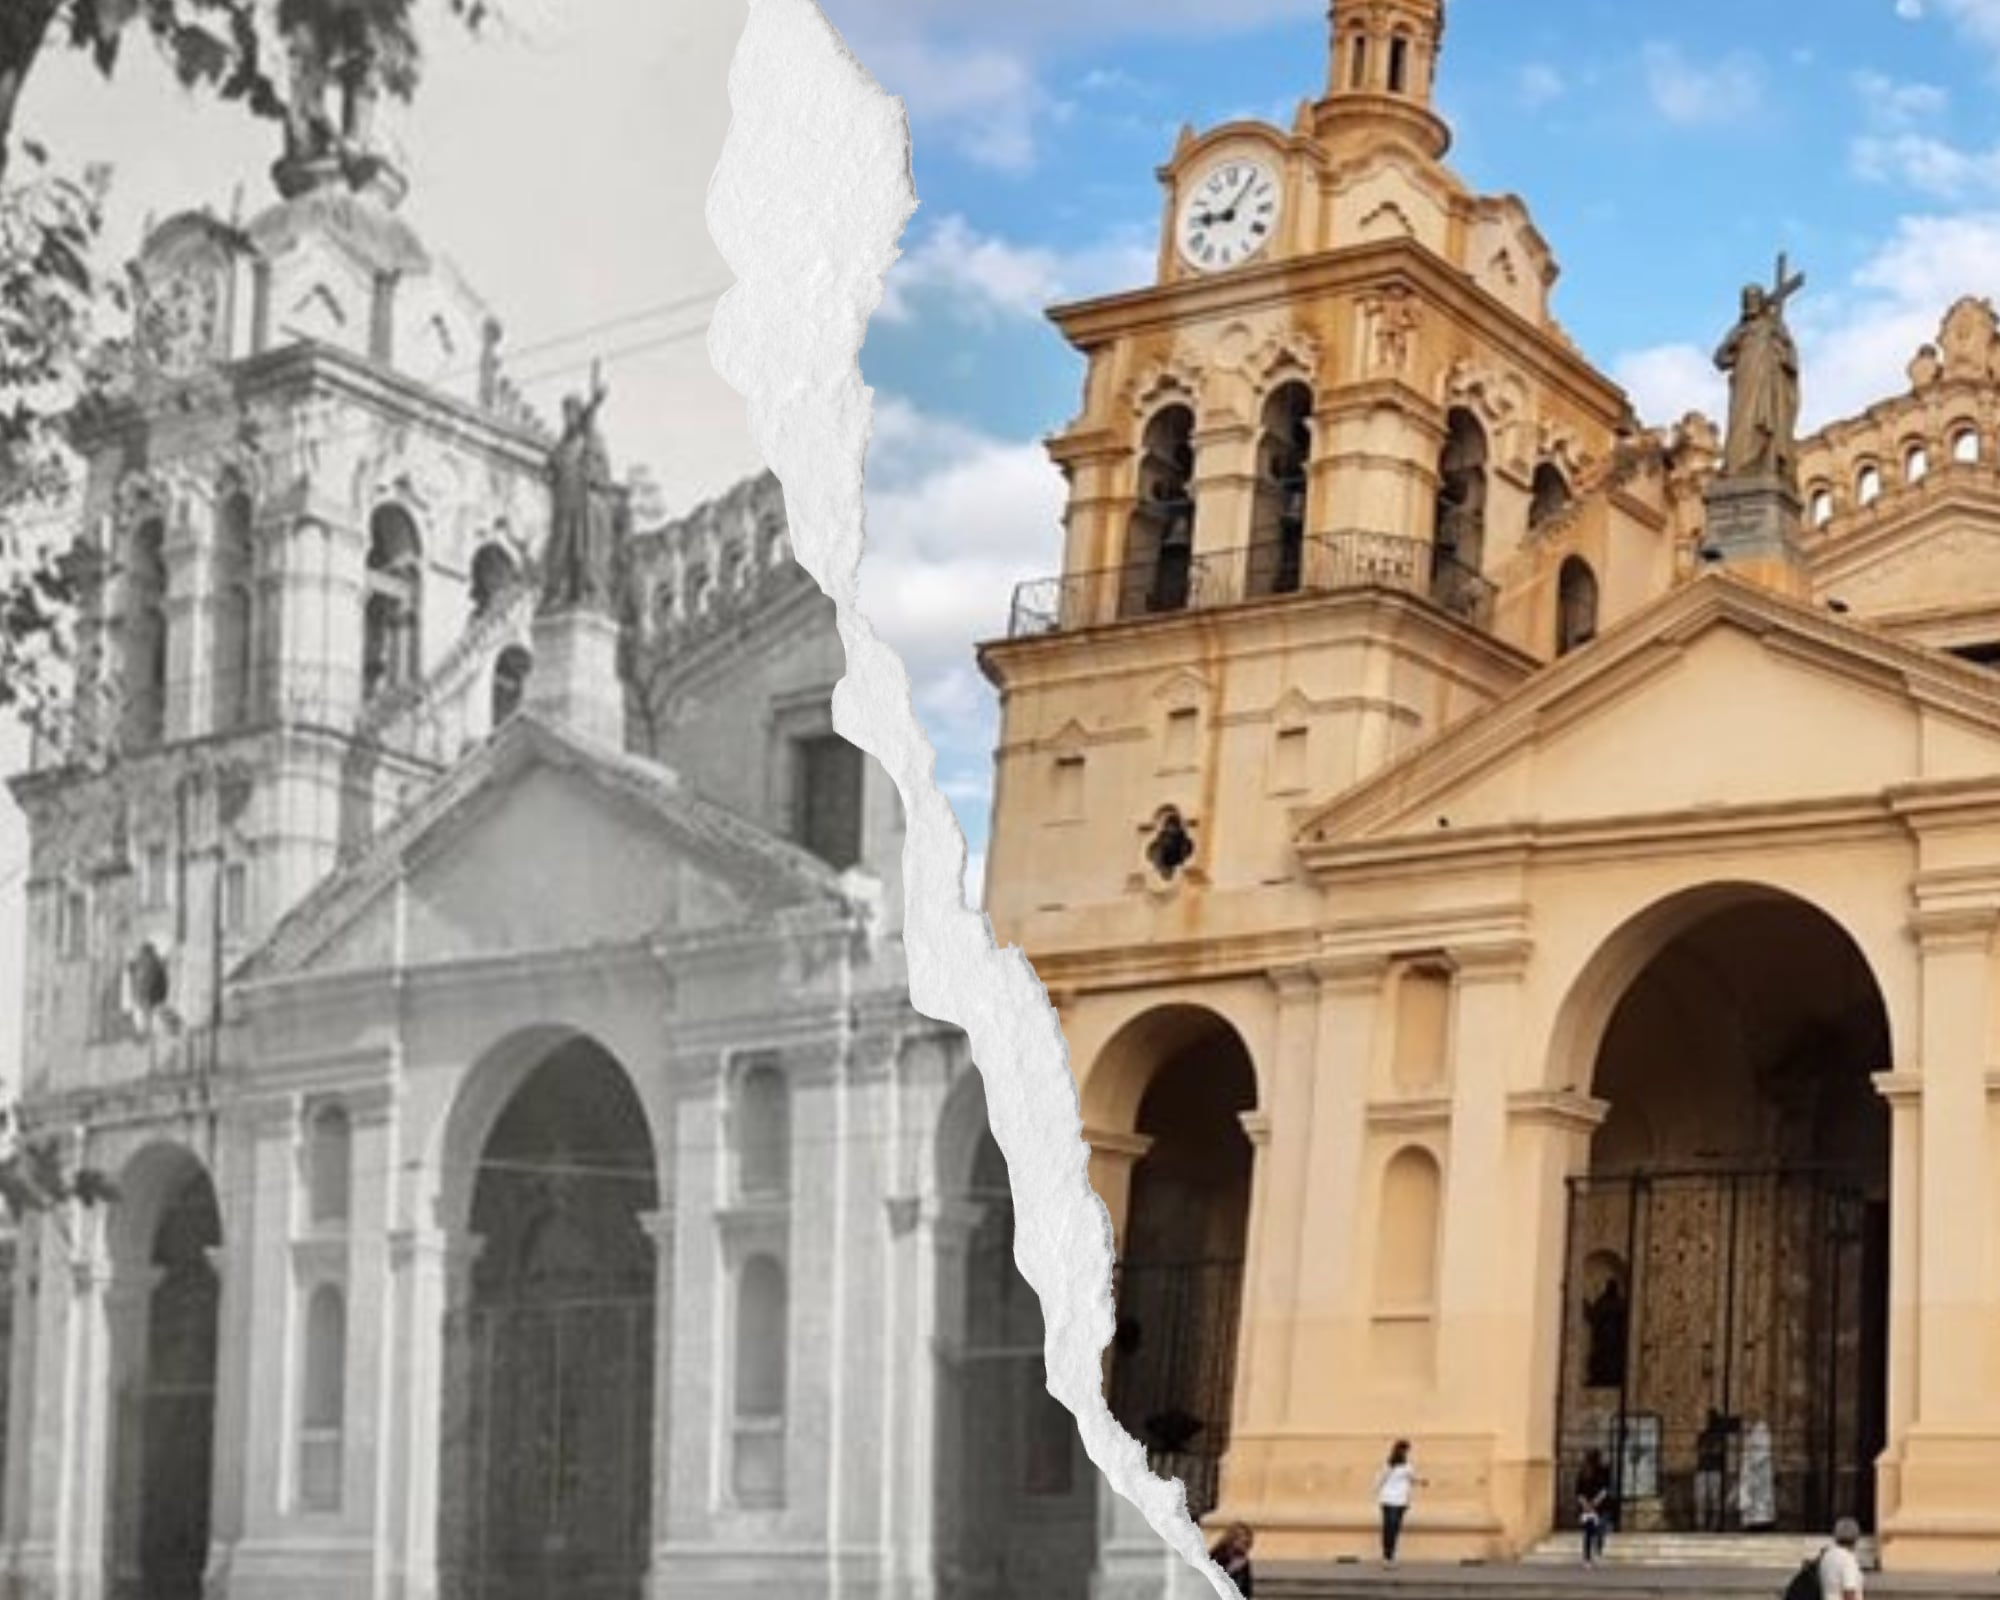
(549, 1441)
(166, 1298)
(1725, 1316)
(1183, 1077)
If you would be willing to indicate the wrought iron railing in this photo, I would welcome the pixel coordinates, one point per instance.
(1273, 568)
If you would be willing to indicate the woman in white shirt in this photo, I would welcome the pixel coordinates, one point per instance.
(1392, 1493)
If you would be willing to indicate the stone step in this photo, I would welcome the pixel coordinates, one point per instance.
(1759, 1551)
(1527, 1581)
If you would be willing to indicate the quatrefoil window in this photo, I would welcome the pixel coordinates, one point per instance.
(1172, 846)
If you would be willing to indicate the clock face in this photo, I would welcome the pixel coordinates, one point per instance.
(1231, 215)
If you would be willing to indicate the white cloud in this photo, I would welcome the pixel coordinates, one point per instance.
(983, 101)
(1929, 165)
(1541, 83)
(956, 519)
(1910, 10)
(1668, 381)
(980, 277)
(1694, 93)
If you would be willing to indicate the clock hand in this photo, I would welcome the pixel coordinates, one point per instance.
(1230, 214)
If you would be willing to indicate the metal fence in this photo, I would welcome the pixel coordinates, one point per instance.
(1271, 569)
(1173, 1369)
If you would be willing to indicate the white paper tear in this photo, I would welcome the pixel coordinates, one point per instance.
(806, 205)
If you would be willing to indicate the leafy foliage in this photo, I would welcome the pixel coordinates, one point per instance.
(56, 300)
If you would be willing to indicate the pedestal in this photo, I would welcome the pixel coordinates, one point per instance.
(1752, 528)
(574, 680)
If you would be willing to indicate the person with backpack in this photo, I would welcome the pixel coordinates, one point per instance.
(1593, 1505)
(1835, 1573)
(1393, 1485)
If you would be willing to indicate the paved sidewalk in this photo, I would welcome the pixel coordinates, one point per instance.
(1364, 1580)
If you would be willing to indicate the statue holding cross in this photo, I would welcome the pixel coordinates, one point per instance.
(1763, 367)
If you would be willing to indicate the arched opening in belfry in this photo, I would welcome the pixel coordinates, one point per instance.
(1159, 548)
(235, 598)
(494, 574)
(1016, 1497)
(143, 681)
(1576, 605)
(1180, 1270)
(510, 681)
(1399, 64)
(1725, 1331)
(547, 1477)
(393, 609)
(1459, 532)
(166, 1299)
(1549, 496)
(1278, 516)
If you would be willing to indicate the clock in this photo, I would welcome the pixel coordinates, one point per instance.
(1229, 217)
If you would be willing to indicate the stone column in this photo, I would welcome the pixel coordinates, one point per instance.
(257, 1332)
(942, 1438)
(1375, 463)
(1283, 1161)
(1330, 1324)
(1956, 1027)
(1904, 1093)
(429, 1279)
(108, 1480)
(659, 1226)
(1112, 1158)
(1475, 1329)
(1225, 490)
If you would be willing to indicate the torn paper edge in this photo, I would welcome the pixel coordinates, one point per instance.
(808, 201)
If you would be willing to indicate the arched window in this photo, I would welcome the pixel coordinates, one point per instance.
(145, 675)
(493, 574)
(510, 681)
(1159, 549)
(1399, 64)
(762, 1342)
(1459, 550)
(772, 540)
(1965, 445)
(1576, 605)
(323, 1400)
(1278, 518)
(1868, 485)
(697, 592)
(235, 688)
(329, 1167)
(391, 619)
(763, 1133)
(1822, 506)
(1916, 464)
(1549, 497)
(732, 568)
(1358, 56)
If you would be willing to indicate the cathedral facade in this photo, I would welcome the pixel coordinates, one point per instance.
(485, 996)
(1521, 901)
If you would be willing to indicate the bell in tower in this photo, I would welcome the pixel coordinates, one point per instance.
(1382, 73)
(339, 68)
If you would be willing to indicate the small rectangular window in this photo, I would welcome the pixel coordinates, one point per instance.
(1068, 797)
(828, 780)
(73, 934)
(235, 898)
(153, 880)
(1182, 729)
(1288, 761)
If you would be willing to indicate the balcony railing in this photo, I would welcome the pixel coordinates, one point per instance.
(1179, 581)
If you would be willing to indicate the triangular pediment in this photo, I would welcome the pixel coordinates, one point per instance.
(543, 842)
(1718, 696)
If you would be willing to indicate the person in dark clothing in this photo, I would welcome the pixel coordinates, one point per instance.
(1593, 1505)
(1232, 1553)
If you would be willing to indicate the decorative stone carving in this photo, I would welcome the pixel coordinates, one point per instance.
(1969, 340)
(1163, 382)
(178, 320)
(1392, 321)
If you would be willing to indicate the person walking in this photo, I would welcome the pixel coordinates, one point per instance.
(1839, 1567)
(1393, 1485)
(1232, 1553)
(1593, 1505)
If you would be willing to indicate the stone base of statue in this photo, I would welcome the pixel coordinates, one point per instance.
(1752, 528)
(575, 680)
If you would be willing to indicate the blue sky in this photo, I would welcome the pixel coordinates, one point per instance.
(1667, 152)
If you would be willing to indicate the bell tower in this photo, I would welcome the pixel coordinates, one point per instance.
(1382, 74)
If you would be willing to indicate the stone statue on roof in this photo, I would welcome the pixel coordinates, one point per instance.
(1763, 366)
(579, 567)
